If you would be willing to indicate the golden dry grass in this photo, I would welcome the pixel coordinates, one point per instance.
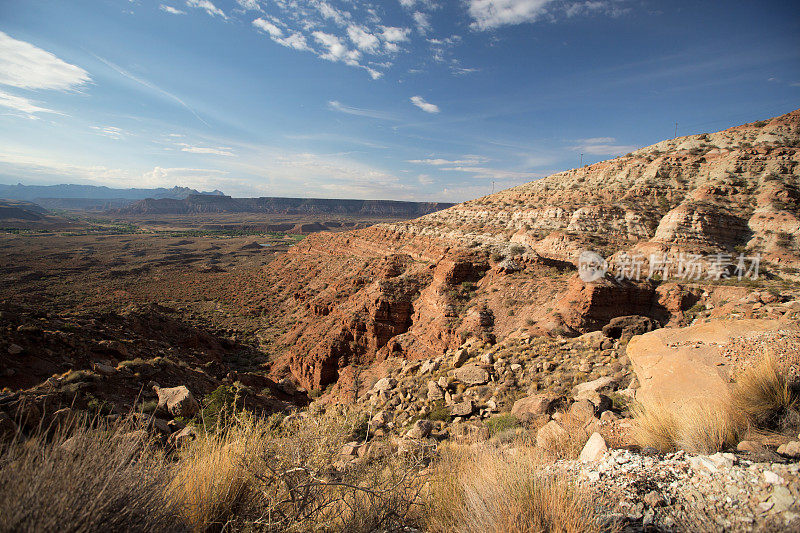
(488, 491)
(758, 401)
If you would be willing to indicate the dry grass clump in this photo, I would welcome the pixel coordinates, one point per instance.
(696, 428)
(84, 479)
(290, 477)
(490, 492)
(760, 400)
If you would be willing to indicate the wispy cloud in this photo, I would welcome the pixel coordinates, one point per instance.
(422, 22)
(23, 105)
(171, 10)
(223, 151)
(293, 40)
(26, 66)
(602, 146)
(358, 111)
(208, 7)
(109, 131)
(425, 106)
(151, 86)
(491, 14)
(466, 160)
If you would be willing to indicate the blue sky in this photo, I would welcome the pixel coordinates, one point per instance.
(402, 99)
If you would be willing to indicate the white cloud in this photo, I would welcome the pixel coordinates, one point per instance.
(109, 131)
(363, 39)
(336, 50)
(467, 160)
(171, 10)
(338, 106)
(392, 34)
(329, 12)
(489, 14)
(208, 7)
(22, 105)
(422, 21)
(492, 173)
(425, 106)
(273, 31)
(425, 179)
(250, 5)
(205, 150)
(602, 146)
(26, 66)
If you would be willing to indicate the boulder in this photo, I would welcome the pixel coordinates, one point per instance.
(380, 419)
(14, 349)
(384, 384)
(688, 365)
(472, 375)
(435, 392)
(594, 450)
(177, 401)
(464, 408)
(182, 437)
(421, 429)
(625, 327)
(531, 407)
(460, 357)
(587, 390)
(550, 435)
(583, 411)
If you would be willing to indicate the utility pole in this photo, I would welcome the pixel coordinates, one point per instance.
(492, 186)
(676, 131)
(581, 165)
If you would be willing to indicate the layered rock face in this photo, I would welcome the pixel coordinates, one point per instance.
(504, 263)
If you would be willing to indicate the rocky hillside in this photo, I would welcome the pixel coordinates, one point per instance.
(507, 263)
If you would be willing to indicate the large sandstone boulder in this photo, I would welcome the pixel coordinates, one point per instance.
(177, 401)
(531, 407)
(472, 375)
(420, 430)
(675, 366)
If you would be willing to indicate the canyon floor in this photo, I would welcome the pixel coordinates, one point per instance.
(455, 372)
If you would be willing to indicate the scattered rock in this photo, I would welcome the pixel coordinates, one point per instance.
(530, 407)
(435, 392)
(472, 375)
(177, 401)
(384, 384)
(550, 435)
(14, 349)
(421, 429)
(464, 408)
(594, 450)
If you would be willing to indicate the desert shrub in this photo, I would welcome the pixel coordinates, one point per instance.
(488, 492)
(500, 423)
(289, 477)
(706, 427)
(439, 413)
(517, 249)
(218, 406)
(84, 479)
(763, 394)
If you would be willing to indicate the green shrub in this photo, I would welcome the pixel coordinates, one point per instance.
(500, 423)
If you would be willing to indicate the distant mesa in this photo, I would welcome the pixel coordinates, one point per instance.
(91, 197)
(196, 203)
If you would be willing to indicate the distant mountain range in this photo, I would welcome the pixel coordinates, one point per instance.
(273, 205)
(91, 197)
